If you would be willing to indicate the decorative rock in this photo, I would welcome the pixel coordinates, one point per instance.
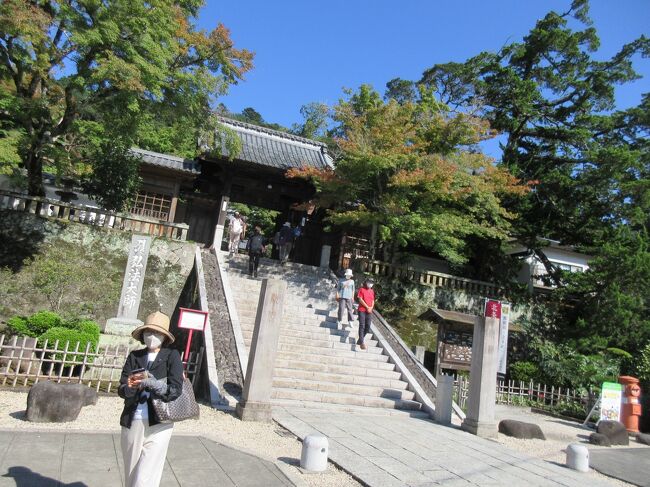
(599, 439)
(615, 431)
(643, 438)
(577, 457)
(49, 402)
(521, 430)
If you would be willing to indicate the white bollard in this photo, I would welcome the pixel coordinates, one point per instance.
(315, 449)
(577, 457)
(444, 392)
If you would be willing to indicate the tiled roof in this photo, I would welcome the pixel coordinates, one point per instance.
(273, 148)
(165, 160)
(440, 315)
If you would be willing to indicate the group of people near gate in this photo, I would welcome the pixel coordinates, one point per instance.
(257, 243)
(345, 295)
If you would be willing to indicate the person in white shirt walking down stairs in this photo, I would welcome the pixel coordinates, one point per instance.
(235, 229)
(345, 297)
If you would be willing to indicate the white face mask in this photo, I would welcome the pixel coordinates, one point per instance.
(370, 286)
(153, 340)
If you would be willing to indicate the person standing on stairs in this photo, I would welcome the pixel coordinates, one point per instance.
(345, 297)
(235, 230)
(366, 297)
(256, 246)
(285, 240)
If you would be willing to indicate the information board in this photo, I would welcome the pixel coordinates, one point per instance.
(610, 401)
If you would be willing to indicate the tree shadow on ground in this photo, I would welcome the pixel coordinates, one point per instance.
(24, 477)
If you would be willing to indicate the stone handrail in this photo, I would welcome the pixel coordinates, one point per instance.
(430, 278)
(88, 215)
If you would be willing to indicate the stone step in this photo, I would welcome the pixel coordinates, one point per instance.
(354, 353)
(345, 378)
(343, 388)
(295, 364)
(331, 408)
(339, 398)
(287, 337)
(363, 361)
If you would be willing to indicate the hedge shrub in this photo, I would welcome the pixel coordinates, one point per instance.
(19, 325)
(65, 335)
(42, 321)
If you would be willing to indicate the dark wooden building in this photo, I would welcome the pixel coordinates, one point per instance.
(198, 191)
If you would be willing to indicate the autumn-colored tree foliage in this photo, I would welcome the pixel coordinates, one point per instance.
(409, 174)
(84, 72)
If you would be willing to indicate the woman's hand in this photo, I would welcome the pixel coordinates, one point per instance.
(134, 380)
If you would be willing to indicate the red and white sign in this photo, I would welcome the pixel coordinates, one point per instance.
(192, 319)
(492, 309)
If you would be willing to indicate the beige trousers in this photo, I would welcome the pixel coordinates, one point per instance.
(144, 449)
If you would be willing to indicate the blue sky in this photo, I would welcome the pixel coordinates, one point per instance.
(309, 51)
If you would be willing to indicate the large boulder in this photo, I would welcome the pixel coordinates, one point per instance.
(615, 431)
(521, 430)
(599, 439)
(49, 402)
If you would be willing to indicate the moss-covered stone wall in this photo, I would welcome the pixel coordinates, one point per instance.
(77, 270)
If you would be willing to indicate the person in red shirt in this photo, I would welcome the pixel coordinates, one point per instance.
(366, 297)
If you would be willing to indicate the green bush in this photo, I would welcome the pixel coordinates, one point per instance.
(18, 325)
(524, 371)
(64, 335)
(42, 321)
(87, 326)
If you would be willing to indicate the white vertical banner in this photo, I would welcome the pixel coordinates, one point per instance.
(503, 338)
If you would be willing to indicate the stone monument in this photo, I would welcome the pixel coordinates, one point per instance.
(127, 312)
(480, 418)
(255, 404)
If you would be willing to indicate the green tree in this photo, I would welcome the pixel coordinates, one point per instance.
(107, 62)
(409, 173)
(553, 99)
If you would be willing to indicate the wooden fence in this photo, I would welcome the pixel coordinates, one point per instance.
(59, 210)
(527, 394)
(23, 362)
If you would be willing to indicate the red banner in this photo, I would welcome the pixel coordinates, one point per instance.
(492, 309)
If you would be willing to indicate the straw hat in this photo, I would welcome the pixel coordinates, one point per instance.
(156, 322)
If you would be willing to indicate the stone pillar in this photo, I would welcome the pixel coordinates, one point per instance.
(127, 312)
(255, 404)
(221, 222)
(325, 253)
(419, 350)
(444, 398)
(483, 379)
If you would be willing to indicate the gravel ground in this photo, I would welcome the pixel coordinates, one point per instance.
(559, 434)
(263, 440)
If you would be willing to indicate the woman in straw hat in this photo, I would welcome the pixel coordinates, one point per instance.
(148, 372)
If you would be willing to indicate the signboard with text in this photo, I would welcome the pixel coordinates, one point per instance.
(492, 309)
(503, 338)
(192, 319)
(610, 401)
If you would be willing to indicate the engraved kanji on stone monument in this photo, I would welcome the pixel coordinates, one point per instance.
(127, 311)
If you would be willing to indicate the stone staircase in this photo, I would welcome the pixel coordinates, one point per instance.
(318, 365)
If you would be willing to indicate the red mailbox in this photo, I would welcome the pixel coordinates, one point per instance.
(631, 410)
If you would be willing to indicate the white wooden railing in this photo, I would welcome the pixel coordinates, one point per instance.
(98, 217)
(430, 278)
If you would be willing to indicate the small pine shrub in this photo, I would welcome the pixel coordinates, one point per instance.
(19, 325)
(42, 321)
(65, 335)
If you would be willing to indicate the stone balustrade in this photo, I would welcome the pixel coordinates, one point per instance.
(430, 278)
(88, 215)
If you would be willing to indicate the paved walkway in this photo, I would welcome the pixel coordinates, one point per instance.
(399, 450)
(95, 460)
(629, 464)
